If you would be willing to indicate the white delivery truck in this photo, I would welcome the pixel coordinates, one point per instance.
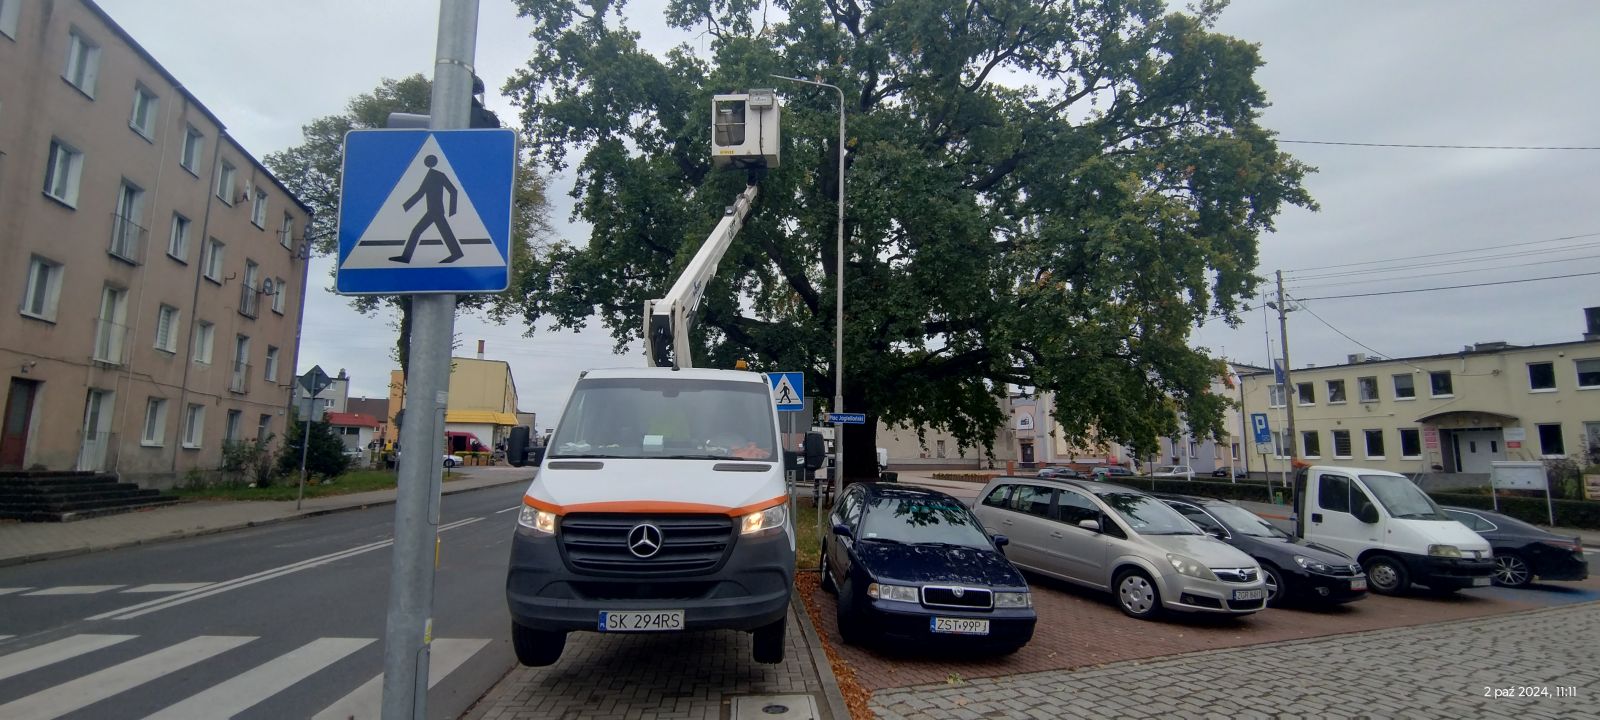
(1393, 528)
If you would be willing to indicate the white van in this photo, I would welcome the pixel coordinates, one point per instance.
(1393, 528)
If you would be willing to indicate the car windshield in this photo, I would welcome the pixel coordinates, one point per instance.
(661, 418)
(922, 521)
(1147, 515)
(1402, 498)
(1244, 522)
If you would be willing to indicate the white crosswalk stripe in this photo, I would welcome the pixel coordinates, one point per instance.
(94, 687)
(34, 658)
(73, 590)
(8, 591)
(366, 702)
(166, 587)
(238, 694)
(4, 638)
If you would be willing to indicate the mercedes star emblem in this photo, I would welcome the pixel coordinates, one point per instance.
(644, 540)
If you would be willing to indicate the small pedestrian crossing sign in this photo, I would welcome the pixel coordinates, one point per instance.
(788, 390)
(424, 211)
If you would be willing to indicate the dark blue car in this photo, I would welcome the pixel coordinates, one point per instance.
(915, 565)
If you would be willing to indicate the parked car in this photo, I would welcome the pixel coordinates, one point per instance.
(1294, 570)
(1173, 471)
(1111, 537)
(1523, 552)
(915, 565)
(1110, 471)
(1238, 473)
(1060, 472)
(450, 461)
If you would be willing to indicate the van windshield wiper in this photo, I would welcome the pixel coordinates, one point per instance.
(593, 456)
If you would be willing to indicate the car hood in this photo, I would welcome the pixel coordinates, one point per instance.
(1207, 550)
(1283, 550)
(656, 485)
(935, 564)
(1443, 532)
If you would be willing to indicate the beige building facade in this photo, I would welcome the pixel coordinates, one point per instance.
(156, 267)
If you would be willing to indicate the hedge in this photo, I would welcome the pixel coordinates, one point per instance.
(1254, 492)
(966, 477)
(1582, 514)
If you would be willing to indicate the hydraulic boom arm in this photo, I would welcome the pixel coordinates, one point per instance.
(668, 319)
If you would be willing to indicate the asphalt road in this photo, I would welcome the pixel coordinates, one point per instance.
(282, 621)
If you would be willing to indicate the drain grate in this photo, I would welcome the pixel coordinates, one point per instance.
(775, 707)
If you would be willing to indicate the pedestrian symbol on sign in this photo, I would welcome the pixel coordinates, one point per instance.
(787, 391)
(434, 185)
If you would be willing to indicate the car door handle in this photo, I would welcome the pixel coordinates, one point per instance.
(1057, 535)
(1007, 522)
(1316, 517)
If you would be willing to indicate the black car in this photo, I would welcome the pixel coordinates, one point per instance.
(914, 564)
(1059, 472)
(1238, 473)
(1106, 472)
(1523, 552)
(1294, 569)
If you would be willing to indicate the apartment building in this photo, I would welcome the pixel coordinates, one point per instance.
(1446, 414)
(157, 267)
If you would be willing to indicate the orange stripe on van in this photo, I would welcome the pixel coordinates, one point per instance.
(652, 507)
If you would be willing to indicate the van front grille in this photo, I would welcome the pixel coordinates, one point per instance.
(598, 544)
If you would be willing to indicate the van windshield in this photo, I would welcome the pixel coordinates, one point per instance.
(667, 418)
(1402, 498)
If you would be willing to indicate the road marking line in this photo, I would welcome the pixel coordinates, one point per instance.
(167, 587)
(73, 590)
(8, 591)
(366, 702)
(4, 638)
(246, 689)
(509, 509)
(34, 658)
(92, 688)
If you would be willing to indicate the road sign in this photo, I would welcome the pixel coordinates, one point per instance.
(315, 381)
(847, 418)
(788, 390)
(425, 211)
(1263, 431)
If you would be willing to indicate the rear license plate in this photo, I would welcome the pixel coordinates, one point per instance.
(959, 626)
(1249, 594)
(1480, 582)
(637, 621)
(1358, 584)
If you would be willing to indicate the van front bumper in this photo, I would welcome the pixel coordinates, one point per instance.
(1441, 573)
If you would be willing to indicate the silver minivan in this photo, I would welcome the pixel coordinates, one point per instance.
(1115, 538)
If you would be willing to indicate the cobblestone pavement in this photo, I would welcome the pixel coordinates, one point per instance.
(612, 677)
(1435, 671)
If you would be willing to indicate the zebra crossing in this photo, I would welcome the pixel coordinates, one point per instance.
(100, 682)
(102, 589)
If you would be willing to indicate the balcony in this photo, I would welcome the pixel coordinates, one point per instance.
(110, 342)
(127, 239)
(239, 382)
(249, 301)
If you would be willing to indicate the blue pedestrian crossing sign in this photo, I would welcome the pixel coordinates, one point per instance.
(425, 211)
(788, 390)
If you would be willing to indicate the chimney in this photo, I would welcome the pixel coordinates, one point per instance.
(480, 349)
(1591, 317)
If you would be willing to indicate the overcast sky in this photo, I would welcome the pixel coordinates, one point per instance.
(1442, 72)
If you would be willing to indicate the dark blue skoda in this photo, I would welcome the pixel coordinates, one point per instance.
(915, 565)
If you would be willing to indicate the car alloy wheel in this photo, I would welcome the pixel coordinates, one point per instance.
(1511, 571)
(1274, 584)
(1137, 595)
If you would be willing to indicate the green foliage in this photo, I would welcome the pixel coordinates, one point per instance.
(1063, 228)
(1254, 492)
(250, 461)
(326, 458)
(350, 482)
(1582, 514)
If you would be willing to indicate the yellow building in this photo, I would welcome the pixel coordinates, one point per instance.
(483, 400)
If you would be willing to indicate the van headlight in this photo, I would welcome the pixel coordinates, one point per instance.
(1449, 551)
(759, 521)
(541, 522)
(1013, 600)
(1190, 567)
(899, 593)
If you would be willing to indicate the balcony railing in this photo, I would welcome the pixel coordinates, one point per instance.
(127, 238)
(239, 382)
(110, 342)
(249, 300)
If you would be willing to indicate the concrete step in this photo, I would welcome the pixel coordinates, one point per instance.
(82, 514)
(55, 481)
(84, 503)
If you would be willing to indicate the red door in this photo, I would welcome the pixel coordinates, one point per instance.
(14, 431)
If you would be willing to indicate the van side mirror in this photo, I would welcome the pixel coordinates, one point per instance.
(1366, 512)
(1001, 541)
(843, 530)
(815, 449)
(517, 446)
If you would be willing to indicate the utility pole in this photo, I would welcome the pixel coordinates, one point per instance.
(1288, 393)
(409, 630)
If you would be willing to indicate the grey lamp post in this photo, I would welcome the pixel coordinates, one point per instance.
(838, 283)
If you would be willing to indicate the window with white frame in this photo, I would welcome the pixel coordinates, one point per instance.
(194, 425)
(62, 172)
(43, 289)
(263, 428)
(1405, 388)
(1440, 385)
(204, 334)
(178, 238)
(1374, 444)
(146, 108)
(1280, 444)
(280, 289)
(155, 423)
(194, 145)
(111, 329)
(1410, 443)
(215, 251)
(250, 292)
(1275, 396)
(1367, 389)
(126, 224)
(272, 364)
(167, 328)
(1306, 393)
(258, 210)
(225, 177)
(230, 430)
(1335, 392)
(1551, 444)
(1588, 372)
(1541, 376)
(286, 231)
(1341, 444)
(1312, 443)
(8, 17)
(83, 62)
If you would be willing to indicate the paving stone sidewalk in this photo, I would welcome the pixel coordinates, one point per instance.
(1434, 671)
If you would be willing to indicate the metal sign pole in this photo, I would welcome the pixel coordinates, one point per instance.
(409, 629)
(305, 449)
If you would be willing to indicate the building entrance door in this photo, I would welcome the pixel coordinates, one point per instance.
(1475, 449)
(16, 422)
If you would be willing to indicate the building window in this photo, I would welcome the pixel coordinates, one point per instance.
(1312, 443)
(258, 210)
(167, 328)
(8, 17)
(111, 328)
(250, 291)
(272, 364)
(62, 173)
(1335, 392)
(204, 334)
(239, 382)
(44, 289)
(1374, 444)
(194, 145)
(155, 423)
(1275, 396)
(286, 231)
(1410, 443)
(83, 63)
(194, 425)
(146, 107)
(1541, 376)
(940, 448)
(1550, 440)
(1368, 387)
(1307, 393)
(1341, 444)
(1405, 387)
(213, 262)
(264, 428)
(225, 175)
(126, 232)
(279, 290)
(230, 431)
(1280, 445)
(1439, 383)
(1588, 372)
(178, 239)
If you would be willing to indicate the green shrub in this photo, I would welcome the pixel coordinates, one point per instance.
(965, 477)
(326, 457)
(1582, 514)
(1254, 492)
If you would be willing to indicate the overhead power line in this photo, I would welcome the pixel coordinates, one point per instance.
(1347, 283)
(1445, 253)
(1452, 287)
(1497, 257)
(1442, 147)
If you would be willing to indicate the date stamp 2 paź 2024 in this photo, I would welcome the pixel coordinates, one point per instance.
(1531, 691)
